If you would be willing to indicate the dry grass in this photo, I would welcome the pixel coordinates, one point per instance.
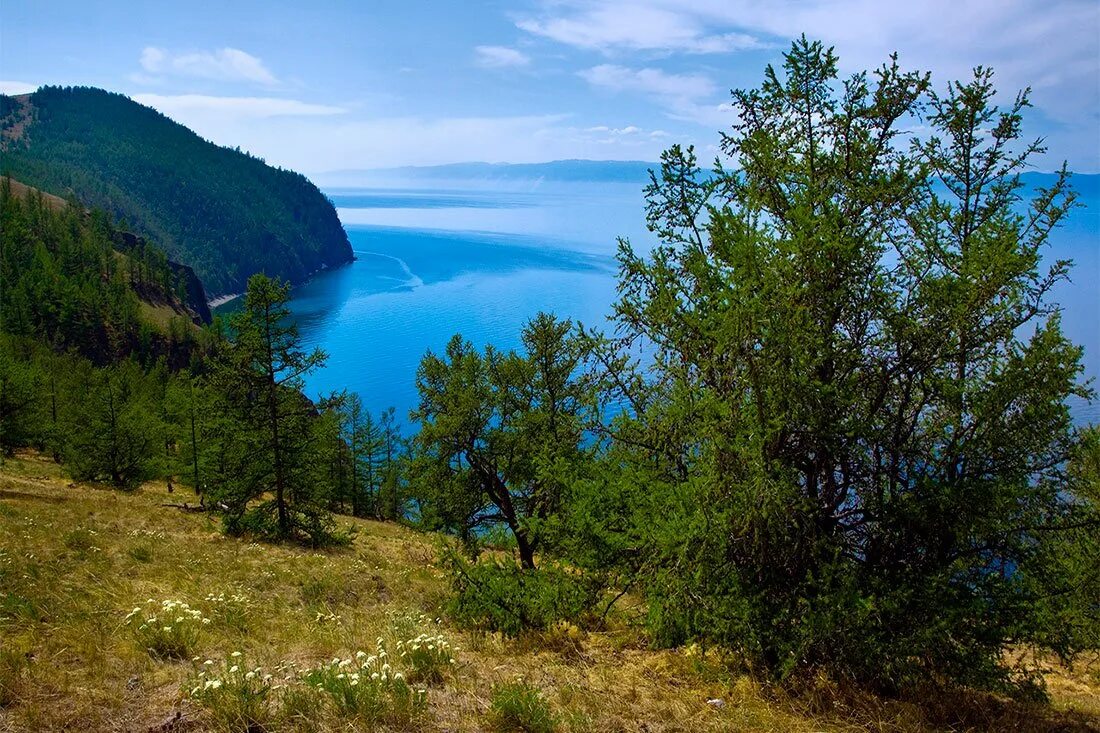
(75, 559)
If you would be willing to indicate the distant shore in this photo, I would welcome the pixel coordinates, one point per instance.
(222, 300)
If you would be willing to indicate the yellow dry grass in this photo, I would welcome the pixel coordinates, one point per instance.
(75, 559)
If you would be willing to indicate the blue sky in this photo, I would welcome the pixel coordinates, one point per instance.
(319, 86)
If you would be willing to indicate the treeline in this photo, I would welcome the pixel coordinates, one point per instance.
(66, 284)
(88, 375)
(223, 212)
(234, 425)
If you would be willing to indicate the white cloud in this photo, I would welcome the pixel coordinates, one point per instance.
(653, 82)
(635, 26)
(683, 96)
(318, 143)
(499, 57)
(12, 88)
(195, 110)
(1053, 46)
(225, 64)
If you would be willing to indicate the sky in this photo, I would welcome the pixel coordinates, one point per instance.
(320, 86)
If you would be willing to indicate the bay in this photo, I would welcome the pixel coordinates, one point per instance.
(481, 260)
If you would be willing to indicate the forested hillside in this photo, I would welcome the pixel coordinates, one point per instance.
(71, 279)
(224, 213)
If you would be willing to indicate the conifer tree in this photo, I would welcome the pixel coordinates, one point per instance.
(854, 434)
(267, 477)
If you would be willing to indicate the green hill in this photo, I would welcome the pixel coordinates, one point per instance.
(222, 212)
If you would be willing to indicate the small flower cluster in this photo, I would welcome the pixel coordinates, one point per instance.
(323, 617)
(228, 609)
(168, 630)
(428, 657)
(368, 687)
(235, 694)
(146, 533)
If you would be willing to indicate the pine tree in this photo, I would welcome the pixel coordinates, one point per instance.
(854, 433)
(267, 477)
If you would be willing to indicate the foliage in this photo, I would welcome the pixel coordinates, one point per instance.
(168, 630)
(266, 479)
(428, 658)
(368, 688)
(237, 697)
(223, 212)
(517, 707)
(64, 281)
(853, 434)
(19, 407)
(502, 596)
(112, 431)
(500, 433)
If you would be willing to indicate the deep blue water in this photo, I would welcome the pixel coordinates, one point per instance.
(432, 263)
(482, 262)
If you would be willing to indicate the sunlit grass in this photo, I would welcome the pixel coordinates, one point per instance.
(76, 561)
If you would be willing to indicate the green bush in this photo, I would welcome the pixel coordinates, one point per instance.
(368, 689)
(168, 630)
(519, 707)
(237, 697)
(501, 596)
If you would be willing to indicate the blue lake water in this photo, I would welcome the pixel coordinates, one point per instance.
(481, 262)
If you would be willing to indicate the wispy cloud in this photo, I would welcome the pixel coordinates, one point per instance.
(224, 64)
(500, 57)
(649, 81)
(16, 87)
(187, 108)
(608, 26)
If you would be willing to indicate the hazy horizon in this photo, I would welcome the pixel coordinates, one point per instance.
(333, 86)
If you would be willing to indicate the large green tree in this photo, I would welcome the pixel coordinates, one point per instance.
(499, 431)
(267, 478)
(849, 448)
(113, 431)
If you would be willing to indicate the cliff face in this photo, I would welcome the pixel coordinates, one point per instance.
(195, 300)
(222, 212)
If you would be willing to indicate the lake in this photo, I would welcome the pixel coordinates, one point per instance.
(481, 261)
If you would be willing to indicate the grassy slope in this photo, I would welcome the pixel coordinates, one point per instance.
(74, 559)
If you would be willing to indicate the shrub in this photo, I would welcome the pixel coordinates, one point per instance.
(238, 698)
(518, 706)
(168, 630)
(80, 539)
(229, 610)
(368, 688)
(428, 658)
(501, 596)
(140, 553)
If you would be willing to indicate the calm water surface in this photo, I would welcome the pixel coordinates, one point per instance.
(482, 262)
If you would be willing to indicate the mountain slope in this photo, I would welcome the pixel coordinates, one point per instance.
(73, 281)
(221, 211)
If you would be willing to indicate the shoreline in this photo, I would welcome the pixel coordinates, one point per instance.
(223, 299)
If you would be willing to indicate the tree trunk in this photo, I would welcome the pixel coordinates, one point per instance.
(276, 449)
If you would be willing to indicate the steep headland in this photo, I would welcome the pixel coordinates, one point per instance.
(223, 212)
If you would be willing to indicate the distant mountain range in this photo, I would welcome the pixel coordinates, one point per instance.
(224, 213)
(575, 171)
